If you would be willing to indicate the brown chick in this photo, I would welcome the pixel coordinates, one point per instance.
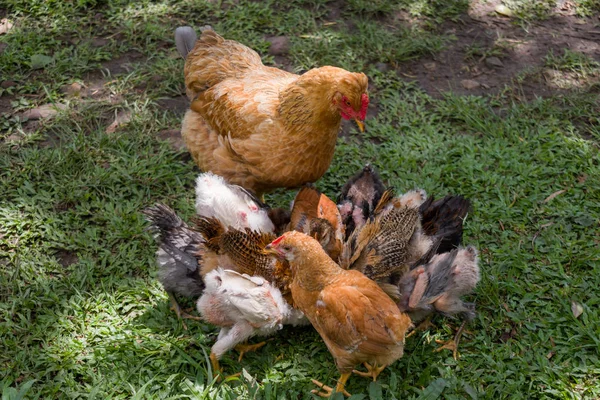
(358, 322)
(261, 127)
(314, 214)
(232, 261)
(384, 247)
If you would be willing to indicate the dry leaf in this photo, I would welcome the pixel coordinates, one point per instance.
(553, 195)
(122, 118)
(576, 309)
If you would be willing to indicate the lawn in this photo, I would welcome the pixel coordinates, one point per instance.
(91, 101)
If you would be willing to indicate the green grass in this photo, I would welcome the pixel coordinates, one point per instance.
(81, 312)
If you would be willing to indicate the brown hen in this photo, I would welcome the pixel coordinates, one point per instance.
(258, 126)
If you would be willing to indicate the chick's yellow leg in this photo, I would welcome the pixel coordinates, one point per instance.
(453, 343)
(244, 348)
(421, 327)
(327, 391)
(215, 364)
(373, 371)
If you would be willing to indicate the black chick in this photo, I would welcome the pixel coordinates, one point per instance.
(180, 252)
(442, 221)
(359, 197)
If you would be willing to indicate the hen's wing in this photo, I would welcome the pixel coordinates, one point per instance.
(233, 91)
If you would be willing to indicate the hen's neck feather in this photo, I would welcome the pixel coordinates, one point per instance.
(307, 102)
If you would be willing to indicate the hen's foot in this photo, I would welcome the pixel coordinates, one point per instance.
(421, 327)
(244, 348)
(453, 343)
(327, 391)
(373, 371)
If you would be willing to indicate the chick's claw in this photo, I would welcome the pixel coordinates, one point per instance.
(453, 343)
(373, 371)
(244, 348)
(327, 391)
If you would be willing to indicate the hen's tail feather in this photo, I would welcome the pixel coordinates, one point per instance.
(185, 39)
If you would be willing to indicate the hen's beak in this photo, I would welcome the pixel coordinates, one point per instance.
(361, 125)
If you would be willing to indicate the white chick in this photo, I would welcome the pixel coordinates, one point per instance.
(233, 205)
(243, 306)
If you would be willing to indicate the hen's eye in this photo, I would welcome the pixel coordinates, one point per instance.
(287, 248)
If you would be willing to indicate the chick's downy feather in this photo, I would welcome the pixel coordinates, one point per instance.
(262, 127)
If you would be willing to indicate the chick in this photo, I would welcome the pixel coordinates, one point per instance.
(232, 205)
(241, 251)
(384, 247)
(438, 287)
(358, 322)
(358, 198)
(442, 222)
(243, 306)
(316, 215)
(179, 256)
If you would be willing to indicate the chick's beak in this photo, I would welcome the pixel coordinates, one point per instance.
(360, 124)
(270, 250)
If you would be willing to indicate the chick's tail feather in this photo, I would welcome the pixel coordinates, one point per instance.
(180, 251)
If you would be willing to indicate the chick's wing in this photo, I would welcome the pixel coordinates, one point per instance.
(357, 315)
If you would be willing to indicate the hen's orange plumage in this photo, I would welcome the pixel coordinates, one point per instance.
(261, 127)
(357, 320)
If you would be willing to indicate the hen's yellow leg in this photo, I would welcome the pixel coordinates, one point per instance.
(327, 391)
(244, 348)
(453, 343)
(373, 371)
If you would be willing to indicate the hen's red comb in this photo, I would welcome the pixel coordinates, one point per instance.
(276, 241)
(364, 103)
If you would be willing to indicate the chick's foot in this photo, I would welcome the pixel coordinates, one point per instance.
(421, 327)
(373, 371)
(179, 312)
(327, 391)
(244, 348)
(453, 343)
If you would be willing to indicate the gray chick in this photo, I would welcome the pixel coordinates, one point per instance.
(179, 255)
(439, 285)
